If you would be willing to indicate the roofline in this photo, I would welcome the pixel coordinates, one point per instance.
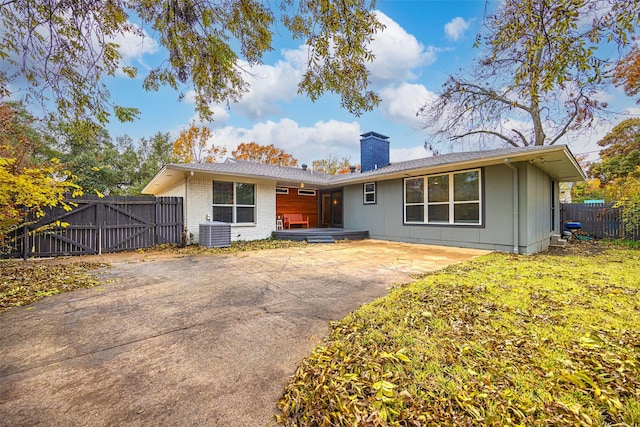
(147, 188)
(317, 181)
(498, 159)
(575, 162)
(328, 181)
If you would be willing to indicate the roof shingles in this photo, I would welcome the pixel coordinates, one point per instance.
(285, 174)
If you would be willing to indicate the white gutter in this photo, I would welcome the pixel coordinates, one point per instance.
(516, 208)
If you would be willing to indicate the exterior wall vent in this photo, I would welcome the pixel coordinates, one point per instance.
(215, 234)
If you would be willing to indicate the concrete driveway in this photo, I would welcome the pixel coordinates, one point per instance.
(190, 340)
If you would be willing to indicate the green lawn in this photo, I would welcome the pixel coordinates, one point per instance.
(550, 339)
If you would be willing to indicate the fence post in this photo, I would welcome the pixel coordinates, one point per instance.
(157, 206)
(25, 239)
(100, 224)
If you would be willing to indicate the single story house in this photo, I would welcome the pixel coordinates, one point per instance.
(503, 199)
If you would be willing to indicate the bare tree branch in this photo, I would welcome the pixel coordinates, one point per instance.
(539, 73)
(522, 137)
(488, 132)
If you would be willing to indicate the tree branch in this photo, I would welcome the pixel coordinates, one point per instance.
(522, 137)
(566, 126)
(488, 132)
(494, 95)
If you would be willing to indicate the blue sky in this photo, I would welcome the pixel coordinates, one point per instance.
(423, 42)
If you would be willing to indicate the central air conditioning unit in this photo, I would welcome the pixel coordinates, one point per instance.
(215, 234)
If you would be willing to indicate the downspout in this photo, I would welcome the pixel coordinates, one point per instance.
(516, 209)
(186, 208)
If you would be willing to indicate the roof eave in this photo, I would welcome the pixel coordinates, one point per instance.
(148, 188)
(486, 161)
(309, 179)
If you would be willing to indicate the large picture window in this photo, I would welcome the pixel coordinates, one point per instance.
(234, 202)
(449, 198)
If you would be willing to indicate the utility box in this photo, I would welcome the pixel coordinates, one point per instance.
(215, 234)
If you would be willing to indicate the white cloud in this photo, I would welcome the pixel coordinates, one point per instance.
(397, 53)
(133, 46)
(411, 153)
(304, 143)
(633, 111)
(269, 84)
(220, 114)
(400, 103)
(456, 27)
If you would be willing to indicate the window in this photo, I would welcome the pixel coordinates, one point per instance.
(449, 198)
(369, 193)
(234, 202)
(306, 192)
(282, 190)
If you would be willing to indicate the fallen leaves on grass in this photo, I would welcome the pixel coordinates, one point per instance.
(500, 340)
(22, 282)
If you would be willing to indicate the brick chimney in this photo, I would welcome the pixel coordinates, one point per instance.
(374, 151)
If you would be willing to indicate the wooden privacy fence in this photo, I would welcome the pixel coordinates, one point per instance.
(600, 220)
(98, 225)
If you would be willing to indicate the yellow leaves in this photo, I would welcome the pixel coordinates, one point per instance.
(591, 341)
(192, 146)
(24, 183)
(23, 283)
(396, 356)
(384, 389)
(540, 345)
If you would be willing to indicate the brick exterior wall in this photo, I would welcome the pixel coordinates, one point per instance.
(199, 203)
(374, 151)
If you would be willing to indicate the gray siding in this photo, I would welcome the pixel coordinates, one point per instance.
(384, 219)
(535, 190)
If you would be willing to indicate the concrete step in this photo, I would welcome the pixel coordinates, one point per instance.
(557, 241)
(320, 239)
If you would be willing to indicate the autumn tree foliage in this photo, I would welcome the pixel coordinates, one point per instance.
(28, 181)
(538, 76)
(192, 146)
(267, 154)
(334, 165)
(616, 177)
(620, 155)
(627, 72)
(64, 50)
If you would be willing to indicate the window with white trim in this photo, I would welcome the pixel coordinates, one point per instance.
(234, 202)
(448, 198)
(369, 190)
(282, 190)
(302, 192)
